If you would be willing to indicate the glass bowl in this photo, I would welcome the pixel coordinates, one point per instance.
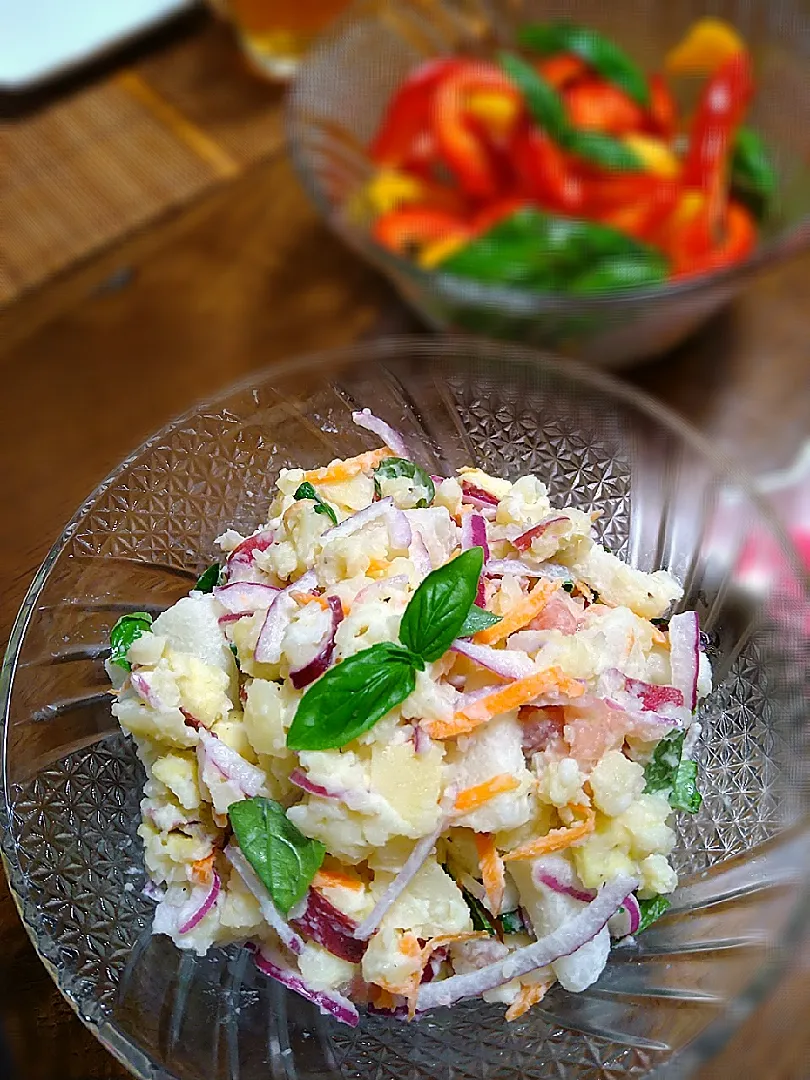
(71, 781)
(338, 99)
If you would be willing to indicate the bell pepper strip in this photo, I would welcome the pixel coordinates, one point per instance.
(643, 219)
(408, 114)
(619, 273)
(561, 70)
(753, 177)
(595, 105)
(412, 227)
(543, 172)
(719, 113)
(739, 240)
(599, 52)
(663, 113)
(495, 111)
(654, 154)
(708, 44)
(464, 153)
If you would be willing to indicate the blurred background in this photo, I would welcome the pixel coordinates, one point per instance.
(193, 191)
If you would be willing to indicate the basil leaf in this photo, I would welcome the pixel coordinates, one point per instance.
(481, 918)
(651, 910)
(208, 579)
(512, 923)
(307, 491)
(439, 607)
(661, 769)
(352, 696)
(685, 794)
(128, 629)
(285, 859)
(423, 487)
(477, 619)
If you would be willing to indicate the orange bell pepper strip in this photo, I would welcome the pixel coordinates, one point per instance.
(597, 105)
(412, 227)
(561, 69)
(720, 111)
(739, 240)
(663, 112)
(465, 154)
(643, 219)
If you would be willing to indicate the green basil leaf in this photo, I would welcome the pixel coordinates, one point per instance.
(307, 491)
(602, 150)
(651, 910)
(512, 923)
(208, 579)
(285, 860)
(423, 487)
(685, 794)
(477, 619)
(661, 769)
(612, 63)
(128, 629)
(543, 102)
(439, 607)
(481, 918)
(352, 696)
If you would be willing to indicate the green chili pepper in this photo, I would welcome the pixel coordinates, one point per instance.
(628, 272)
(753, 177)
(604, 55)
(547, 109)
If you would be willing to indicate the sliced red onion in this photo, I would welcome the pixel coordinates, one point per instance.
(330, 927)
(421, 740)
(551, 881)
(302, 781)
(684, 655)
(437, 479)
(303, 676)
(390, 436)
(377, 589)
(152, 891)
(233, 767)
(524, 541)
(419, 556)
(245, 597)
(232, 617)
(199, 914)
(507, 663)
(413, 865)
(466, 700)
(378, 509)
(400, 533)
(564, 941)
(627, 919)
(474, 533)
(271, 635)
(651, 696)
(142, 686)
(329, 1002)
(239, 564)
(359, 800)
(270, 913)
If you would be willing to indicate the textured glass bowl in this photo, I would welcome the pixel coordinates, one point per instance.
(343, 86)
(70, 783)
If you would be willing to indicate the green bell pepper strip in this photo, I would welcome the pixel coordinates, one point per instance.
(622, 272)
(603, 55)
(752, 173)
(547, 110)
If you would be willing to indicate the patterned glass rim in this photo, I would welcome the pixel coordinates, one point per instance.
(717, 1033)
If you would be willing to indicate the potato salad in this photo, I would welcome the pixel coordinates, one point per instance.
(416, 739)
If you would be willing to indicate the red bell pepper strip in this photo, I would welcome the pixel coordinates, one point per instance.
(720, 111)
(663, 108)
(739, 240)
(596, 105)
(611, 192)
(487, 218)
(465, 154)
(644, 218)
(414, 226)
(544, 174)
(408, 114)
(562, 69)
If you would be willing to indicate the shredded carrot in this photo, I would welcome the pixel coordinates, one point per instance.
(376, 566)
(336, 879)
(492, 871)
(504, 699)
(428, 950)
(340, 471)
(308, 598)
(473, 797)
(528, 996)
(557, 839)
(523, 612)
(202, 869)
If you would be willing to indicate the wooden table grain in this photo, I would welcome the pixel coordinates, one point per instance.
(238, 281)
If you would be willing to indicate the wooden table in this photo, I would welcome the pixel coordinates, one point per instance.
(243, 278)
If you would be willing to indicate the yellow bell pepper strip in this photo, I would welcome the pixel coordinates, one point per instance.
(654, 154)
(708, 44)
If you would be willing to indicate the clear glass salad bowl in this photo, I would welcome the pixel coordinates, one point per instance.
(70, 782)
(344, 85)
